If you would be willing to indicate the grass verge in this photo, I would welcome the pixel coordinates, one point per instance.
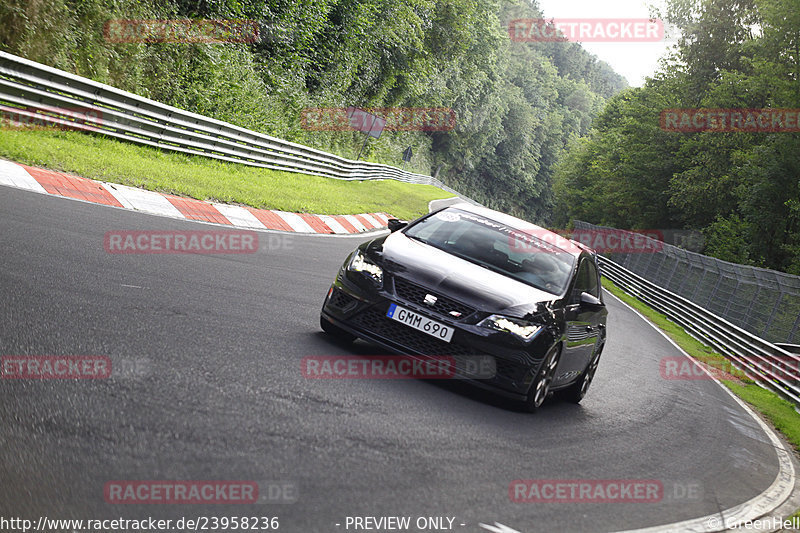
(781, 413)
(102, 158)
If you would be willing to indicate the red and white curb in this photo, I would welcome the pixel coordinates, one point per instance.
(99, 192)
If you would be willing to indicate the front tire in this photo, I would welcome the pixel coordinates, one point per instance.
(577, 391)
(540, 387)
(335, 331)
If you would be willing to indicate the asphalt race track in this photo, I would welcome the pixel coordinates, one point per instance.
(212, 346)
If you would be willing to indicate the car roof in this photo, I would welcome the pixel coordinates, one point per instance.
(522, 225)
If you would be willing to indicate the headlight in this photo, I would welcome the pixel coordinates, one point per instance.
(361, 264)
(521, 328)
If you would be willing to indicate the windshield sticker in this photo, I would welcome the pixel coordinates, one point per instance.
(448, 216)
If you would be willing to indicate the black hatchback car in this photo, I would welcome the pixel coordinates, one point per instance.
(469, 281)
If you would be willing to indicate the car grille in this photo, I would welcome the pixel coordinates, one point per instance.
(342, 300)
(375, 322)
(411, 292)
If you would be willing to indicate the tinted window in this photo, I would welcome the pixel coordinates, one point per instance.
(586, 280)
(520, 255)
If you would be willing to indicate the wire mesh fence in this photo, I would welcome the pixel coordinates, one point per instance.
(764, 302)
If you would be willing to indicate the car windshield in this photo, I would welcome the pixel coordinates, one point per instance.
(525, 255)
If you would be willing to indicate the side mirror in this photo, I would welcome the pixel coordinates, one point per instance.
(395, 224)
(590, 302)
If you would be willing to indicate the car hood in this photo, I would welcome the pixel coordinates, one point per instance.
(452, 276)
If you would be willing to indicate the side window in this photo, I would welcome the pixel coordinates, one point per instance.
(592, 286)
(585, 280)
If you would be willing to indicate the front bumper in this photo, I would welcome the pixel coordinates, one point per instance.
(361, 310)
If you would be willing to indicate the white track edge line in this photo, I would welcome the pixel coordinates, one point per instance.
(769, 500)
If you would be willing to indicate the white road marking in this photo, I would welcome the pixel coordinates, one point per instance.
(141, 200)
(371, 220)
(383, 218)
(333, 224)
(767, 501)
(355, 222)
(239, 216)
(295, 221)
(16, 176)
(498, 528)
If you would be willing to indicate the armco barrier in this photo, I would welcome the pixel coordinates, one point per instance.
(764, 302)
(769, 365)
(36, 92)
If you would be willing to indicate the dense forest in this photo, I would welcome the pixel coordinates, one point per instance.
(741, 188)
(517, 105)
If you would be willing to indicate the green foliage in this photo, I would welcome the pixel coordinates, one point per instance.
(209, 179)
(517, 104)
(618, 175)
(727, 238)
(742, 189)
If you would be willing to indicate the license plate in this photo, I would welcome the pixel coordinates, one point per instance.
(420, 323)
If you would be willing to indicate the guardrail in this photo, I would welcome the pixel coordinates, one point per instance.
(764, 302)
(767, 364)
(793, 348)
(45, 94)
